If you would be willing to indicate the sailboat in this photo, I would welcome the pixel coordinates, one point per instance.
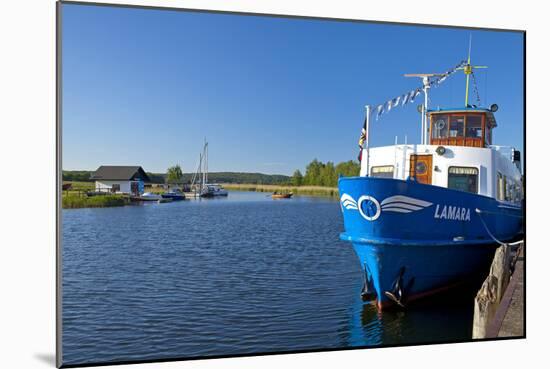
(425, 217)
(200, 178)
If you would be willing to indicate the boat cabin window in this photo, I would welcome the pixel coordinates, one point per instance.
(383, 171)
(439, 128)
(456, 126)
(460, 129)
(463, 179)
(473, 126)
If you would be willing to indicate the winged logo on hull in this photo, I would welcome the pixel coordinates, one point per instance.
(370, 208)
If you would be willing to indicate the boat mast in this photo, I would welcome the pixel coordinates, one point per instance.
(205, 157)
(426, 87)
(201, 173)
(468, 69)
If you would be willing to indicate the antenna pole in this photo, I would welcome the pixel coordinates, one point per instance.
(469, 69)
(367, 135)
(426, 82)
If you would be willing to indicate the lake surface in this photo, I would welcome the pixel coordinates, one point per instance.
(236, 275)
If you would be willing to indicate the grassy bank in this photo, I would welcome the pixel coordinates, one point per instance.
(297, 190)
(76, 201)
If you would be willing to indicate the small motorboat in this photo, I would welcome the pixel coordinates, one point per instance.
(149, 196)
(213, 190)
(174, 195)
(276, 195)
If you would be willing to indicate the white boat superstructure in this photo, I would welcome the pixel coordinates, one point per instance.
(455, 149)
(490, 171)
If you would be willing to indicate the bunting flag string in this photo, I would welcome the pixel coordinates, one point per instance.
(404, 99)
(409, 97)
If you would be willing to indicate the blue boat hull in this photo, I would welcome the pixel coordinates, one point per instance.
(173, 196)
(419, 239)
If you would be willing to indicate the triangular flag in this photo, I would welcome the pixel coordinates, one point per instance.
(379, 111)
(405, 99)
(396, 101)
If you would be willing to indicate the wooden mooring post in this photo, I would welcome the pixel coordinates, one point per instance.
(488, 299)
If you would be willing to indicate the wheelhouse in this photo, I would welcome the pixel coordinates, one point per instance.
(470, 127)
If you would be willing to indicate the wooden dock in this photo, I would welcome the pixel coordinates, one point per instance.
(500, 303)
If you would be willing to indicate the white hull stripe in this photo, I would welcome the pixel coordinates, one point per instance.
(401, 205)
(348, 202)
(397, 210)
(406, 200)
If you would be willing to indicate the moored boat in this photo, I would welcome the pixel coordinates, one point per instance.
(174, 195)
(276, 195)
(213, 190)
(148, 196)
(425, 217)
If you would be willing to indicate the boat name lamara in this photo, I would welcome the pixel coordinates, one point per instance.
(425, 217)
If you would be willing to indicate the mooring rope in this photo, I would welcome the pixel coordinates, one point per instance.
(478, 212)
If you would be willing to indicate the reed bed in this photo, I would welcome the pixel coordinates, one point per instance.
(296, 190)
(70, 201)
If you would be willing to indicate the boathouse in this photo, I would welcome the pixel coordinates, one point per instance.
(120, 179)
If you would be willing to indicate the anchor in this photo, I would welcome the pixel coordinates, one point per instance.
(367, 293)
(397, 293)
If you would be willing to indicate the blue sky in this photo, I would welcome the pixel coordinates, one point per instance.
(145, 87)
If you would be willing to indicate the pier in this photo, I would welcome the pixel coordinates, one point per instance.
(499, 307)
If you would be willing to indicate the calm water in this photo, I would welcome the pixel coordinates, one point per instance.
(243, 274)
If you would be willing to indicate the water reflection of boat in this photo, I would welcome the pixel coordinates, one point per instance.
(425, 217)
(276, 195)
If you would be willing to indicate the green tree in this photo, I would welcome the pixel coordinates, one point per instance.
(297, 178)
(348, 169)
(174, 174)
(327, 175)
(313, 172)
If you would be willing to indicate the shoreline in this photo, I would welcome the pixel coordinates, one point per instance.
(76, 198)
(320, 191)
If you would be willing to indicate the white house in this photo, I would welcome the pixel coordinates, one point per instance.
(120, 179)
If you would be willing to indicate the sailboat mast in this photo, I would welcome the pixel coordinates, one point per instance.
(201, 174)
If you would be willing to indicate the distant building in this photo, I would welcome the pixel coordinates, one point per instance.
(120, 179)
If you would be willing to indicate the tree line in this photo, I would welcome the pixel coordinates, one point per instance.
(325, 174)
(317, 174)
(174, 174)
